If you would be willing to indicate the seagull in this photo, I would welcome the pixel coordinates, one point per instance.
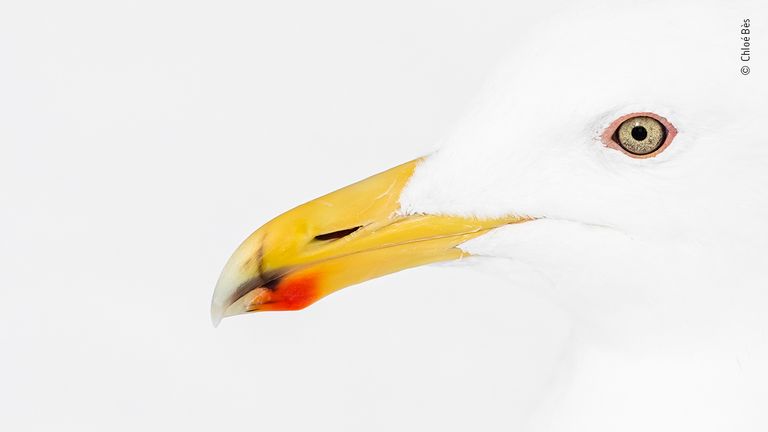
(620, 154)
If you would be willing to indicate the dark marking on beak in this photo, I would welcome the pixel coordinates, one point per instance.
(267, 280)
(260, 256)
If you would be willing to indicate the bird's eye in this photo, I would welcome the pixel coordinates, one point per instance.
(639, 135)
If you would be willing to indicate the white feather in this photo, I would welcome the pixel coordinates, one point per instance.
(660, 262)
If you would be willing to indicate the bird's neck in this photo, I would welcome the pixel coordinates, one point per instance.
(698, 349)
(674, 330)
(635, 295)
(704, 387)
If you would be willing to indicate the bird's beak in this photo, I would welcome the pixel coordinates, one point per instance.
(340, 239)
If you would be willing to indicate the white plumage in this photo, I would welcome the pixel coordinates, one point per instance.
(661, 262)
(141, 141)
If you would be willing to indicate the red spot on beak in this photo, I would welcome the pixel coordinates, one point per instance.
(294, 292)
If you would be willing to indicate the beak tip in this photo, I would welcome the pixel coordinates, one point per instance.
(217, 313)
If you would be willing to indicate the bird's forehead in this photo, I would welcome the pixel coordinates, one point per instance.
(566, 78)
(593, 59)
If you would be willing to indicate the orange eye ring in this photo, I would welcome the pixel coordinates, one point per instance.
(629, 134)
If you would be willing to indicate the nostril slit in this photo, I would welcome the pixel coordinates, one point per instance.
(337, 234)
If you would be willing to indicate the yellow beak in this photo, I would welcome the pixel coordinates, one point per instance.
(340, 239)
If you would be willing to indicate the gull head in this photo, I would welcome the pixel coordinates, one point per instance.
(615, 153)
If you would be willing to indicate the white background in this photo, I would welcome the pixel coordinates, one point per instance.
(140, 142)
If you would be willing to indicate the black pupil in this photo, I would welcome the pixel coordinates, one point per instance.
(639, 133)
